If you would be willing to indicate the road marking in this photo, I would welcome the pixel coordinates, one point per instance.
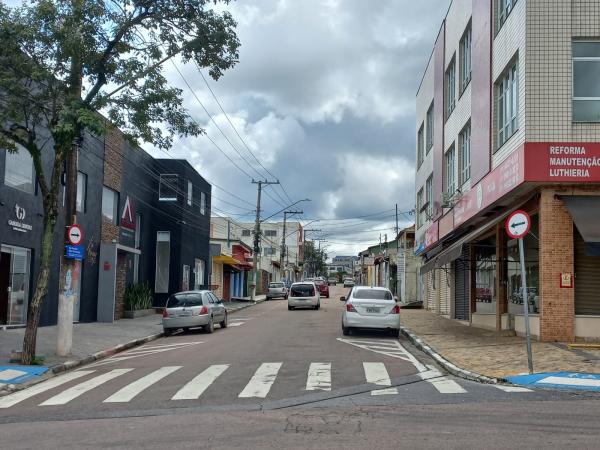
(144, 351)
(319, 377)
(390, 348)
(262, 380)
(236, 324)
(81, 388)
(505, 388)
(17, 397)
(195, 388)
(376, 373)
(443, 384)
(564, 381)
(130, 391)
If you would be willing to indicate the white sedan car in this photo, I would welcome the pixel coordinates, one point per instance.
(370, 307)
(304, 295)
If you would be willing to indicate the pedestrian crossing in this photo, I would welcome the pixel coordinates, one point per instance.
(259, 386)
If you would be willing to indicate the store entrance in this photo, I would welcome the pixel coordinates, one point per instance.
(14, 284)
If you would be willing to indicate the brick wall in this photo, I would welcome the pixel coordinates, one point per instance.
(113, 158)
(557, 306)
(121, 284)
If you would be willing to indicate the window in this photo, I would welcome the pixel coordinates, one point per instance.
(167, 191)
(420, 208)
(270, 251)
(81, 191)
(271, 233)
(110, 204)
(429, 142)
(136, 244)
(429, 197)
(465, 154)
(19, 171)
(449, 170)
(504, 9)
(450, 88)
(163, 257)
(246, 233)
(508, 93)
(190, 193)
(586, 81)
(199, 274)
(465, 59)
(420, 147)
(202, 203)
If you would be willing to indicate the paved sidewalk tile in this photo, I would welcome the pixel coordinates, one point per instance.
(490, 353)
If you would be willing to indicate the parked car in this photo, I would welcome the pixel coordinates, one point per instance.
(323, 288)
(348, 282)
(373, 308)
(332, 281)
(191, 309)
(304, 295)
(277, 290)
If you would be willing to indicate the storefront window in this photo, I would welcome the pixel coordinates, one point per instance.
(18, 170)
(485, 277)
(163, 255)
(14, 285)
(514, 290)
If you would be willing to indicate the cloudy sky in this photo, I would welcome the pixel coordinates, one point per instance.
(324, 96)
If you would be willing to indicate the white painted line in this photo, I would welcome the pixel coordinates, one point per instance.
(505, 388)
(236, 324)
(262, 380)
(17, 397)
(195, 388)
(130, 391)
(565, 381)
(81, 388)
(9, 374)
(143, 351)
(444, 385)
(319, 377)
(376, 373)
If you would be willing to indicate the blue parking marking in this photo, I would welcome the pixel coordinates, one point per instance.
(20, 374)
(559, 380)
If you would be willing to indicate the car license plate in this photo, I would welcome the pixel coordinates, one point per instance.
(373, 310)
(184, 313)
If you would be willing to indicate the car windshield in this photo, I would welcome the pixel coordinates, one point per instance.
(187, 299)
(276, 285)
(373, 294)
(303, 290)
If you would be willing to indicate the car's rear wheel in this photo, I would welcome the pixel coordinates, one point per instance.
(167, 331)
(210, 327)
(318, 306)
(185, 330)
(223, 324)
(395, 333)
(290, 308)
(345, 330)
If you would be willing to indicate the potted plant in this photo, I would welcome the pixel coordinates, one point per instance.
(138, 301)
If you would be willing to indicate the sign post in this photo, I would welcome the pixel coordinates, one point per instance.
(518, 225)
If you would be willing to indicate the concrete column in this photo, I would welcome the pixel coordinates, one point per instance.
(501, 273)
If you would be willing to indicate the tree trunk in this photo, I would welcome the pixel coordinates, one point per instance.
(35, 306)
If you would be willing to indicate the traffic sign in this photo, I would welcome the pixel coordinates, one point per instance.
(75, 234)
(518, 224)
(74, 252)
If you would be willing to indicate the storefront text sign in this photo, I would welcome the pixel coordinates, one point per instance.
(19, 224)
(570, 162)
(128, 216)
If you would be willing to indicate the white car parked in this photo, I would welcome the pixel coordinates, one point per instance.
(304, 295)
(370, 307)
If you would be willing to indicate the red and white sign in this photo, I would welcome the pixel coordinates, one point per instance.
(128, 216)
(75, 234)
(562, 161)
(566, 280)
(518, 224)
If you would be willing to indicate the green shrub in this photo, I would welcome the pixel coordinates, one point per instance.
(138, 296)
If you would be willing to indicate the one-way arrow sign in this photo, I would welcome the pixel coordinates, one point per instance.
(518, 224)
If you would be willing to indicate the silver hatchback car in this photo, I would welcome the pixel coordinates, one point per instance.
(193, 309)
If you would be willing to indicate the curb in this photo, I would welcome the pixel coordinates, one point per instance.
(451, 368)
(102, 354)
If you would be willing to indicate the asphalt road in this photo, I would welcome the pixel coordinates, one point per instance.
(287, 379)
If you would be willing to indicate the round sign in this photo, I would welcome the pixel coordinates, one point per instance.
(518, 224)
(74, 235)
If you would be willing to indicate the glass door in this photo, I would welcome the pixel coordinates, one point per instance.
(14, 283)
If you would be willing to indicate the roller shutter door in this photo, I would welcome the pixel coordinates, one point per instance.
(461, 286)
(444, 290)
(587, 279)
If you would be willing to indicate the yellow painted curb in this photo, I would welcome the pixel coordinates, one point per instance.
(586, 346)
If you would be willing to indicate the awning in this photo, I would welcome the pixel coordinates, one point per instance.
(225, 259)
(585, 211)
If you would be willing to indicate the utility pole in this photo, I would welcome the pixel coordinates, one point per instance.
(283, 246)
(256, 253)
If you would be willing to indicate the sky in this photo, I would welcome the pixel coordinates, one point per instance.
(324, 98)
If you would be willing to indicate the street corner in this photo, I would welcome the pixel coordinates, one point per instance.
(559, 380)
(20, 374)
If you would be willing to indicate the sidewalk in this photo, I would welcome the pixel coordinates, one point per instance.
(492, 354)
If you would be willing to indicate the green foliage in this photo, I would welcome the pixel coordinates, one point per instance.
(315, 259)
(138, 296)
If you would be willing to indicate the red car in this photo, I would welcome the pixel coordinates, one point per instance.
(323, 288)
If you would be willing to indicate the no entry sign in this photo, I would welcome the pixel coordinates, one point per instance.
(518, 224)
(75, 235)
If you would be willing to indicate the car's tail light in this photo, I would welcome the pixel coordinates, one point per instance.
(165, 313)
(395, 310)
(203, 310)
(350, 307)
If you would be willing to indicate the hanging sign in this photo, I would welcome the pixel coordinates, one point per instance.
(75, 234)
(518, 224)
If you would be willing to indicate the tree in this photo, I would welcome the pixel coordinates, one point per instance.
(62, 61)
(316, 259)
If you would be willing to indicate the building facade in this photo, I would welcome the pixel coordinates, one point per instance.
(508, 118)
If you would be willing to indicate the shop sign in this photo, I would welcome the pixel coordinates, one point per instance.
(566, 280)
(432, 234)
(19, 225)
(499, 182)
(128, 215)
(562, 162)
(369, 261)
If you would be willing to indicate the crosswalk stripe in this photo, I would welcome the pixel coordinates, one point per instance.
(17, 397)
(195, 388)
(376, 373)
(81, 388)
(444, 385)
(319, 377)
(262, 380)
(135, 388)
(236, 324)
(505, 388)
